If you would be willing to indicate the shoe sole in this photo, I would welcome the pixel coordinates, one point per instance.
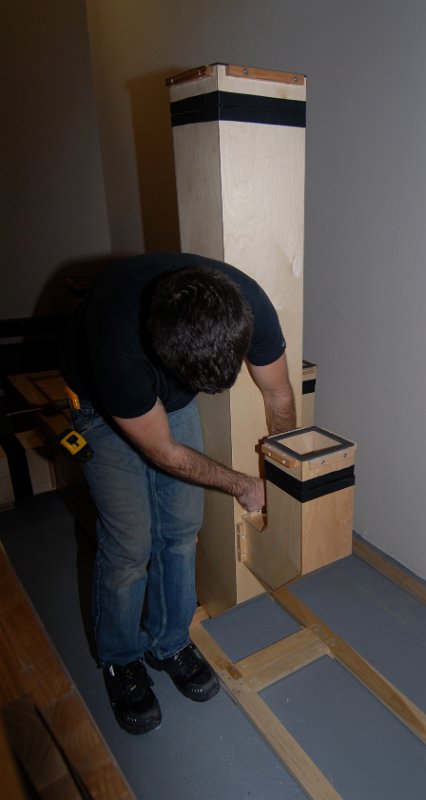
(138, 728)
(200, 698)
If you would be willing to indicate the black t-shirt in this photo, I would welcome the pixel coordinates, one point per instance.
(103, 355)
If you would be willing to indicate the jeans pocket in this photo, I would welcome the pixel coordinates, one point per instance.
(86, 420)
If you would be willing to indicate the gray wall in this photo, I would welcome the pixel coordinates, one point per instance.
(365, 203)
(53, 213)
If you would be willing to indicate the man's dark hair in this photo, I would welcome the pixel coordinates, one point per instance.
(200, 326)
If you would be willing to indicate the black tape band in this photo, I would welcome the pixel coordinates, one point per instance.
(235, 107)
(308, 387)
(18, 466)
(312, 489)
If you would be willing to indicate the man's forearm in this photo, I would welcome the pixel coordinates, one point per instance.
(273, 381)
(281, 413)
(190, 465)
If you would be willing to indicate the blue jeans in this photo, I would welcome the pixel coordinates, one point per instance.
(144, 582)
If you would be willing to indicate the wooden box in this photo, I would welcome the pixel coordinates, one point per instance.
(26, 467)
(239, 147)
(310, 490)
(37, 389)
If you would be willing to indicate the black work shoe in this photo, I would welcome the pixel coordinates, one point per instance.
(134, 704)
(189, 672)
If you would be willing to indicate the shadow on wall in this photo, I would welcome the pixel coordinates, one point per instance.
(67, 284)
(155, 160)
(30, 344)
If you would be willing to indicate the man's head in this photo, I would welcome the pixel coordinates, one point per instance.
(200, 326)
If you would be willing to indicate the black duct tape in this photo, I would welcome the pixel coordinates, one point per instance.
(235, 107)
(308, 387)
(311, 489)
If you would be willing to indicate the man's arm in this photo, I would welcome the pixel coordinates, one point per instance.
(273, 382)
(151, 435)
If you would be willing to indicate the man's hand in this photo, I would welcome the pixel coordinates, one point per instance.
(252, 496)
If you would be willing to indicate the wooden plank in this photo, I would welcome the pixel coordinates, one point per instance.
(262, 190)
(326, 530)
(389, 570)
(190, 75)
(275, 554)
(46, 679)
(282, 658)
(406, 711)
(28, 393)
(51, 384)
(78, 736)
(7, 496)
(10, 781)
(38, 752)
(25, 389)
(256, 73)
(237, 71)
(32, 650)
(286, 748)
(11, 683)
(30, 665)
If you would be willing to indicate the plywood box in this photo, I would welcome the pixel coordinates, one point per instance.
(239, 147)
(310, 490)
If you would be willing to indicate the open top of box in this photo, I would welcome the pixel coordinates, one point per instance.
(303, 444)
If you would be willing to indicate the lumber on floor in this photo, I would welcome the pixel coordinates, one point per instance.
(33, 681)
(291, 754)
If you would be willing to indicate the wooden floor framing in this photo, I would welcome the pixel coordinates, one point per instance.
(244, 679)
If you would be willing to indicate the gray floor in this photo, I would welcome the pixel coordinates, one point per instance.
(210, 751)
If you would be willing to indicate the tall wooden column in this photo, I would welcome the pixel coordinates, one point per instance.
(239, 145)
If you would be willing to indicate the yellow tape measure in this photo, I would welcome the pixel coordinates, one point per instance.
(76, 444)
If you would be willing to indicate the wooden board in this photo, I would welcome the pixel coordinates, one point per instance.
(29, 666)
(38, 753)
(11, 783)
(7, 496)
(286, 748)
(274, 554)
(38, 388)
(327, 525)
